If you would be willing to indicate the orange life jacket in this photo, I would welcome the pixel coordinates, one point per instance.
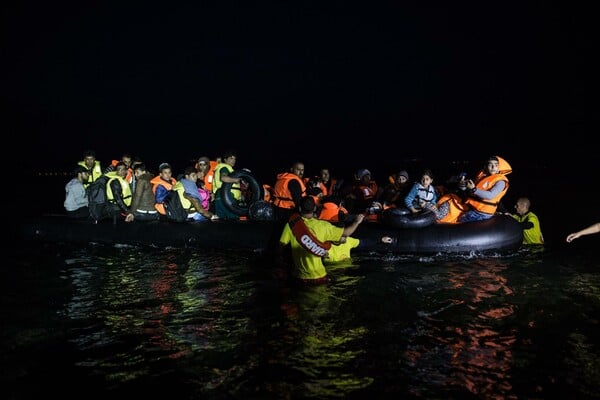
(281, 194)
(488, 206)
(331, 212)
(456, 208)
(156, 181)
(209, 176)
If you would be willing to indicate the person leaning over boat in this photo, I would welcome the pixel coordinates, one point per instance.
(187, 189)
(142, 203)
(309, 239)
(288, 191)
(483, 198)
(93, 166)
(76, 200)
(118, 191)
(590, 230)
(532, 233)
(222, 172)
(161, 185)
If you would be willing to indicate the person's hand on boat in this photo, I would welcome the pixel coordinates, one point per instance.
(129, 218)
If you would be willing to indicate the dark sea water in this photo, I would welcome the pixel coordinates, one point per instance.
(116, 321)
(126, 321)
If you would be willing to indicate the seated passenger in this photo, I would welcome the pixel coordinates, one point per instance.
(187, 189)
(394, 193)
(161, 185)
(422, 194)
(222, 175)
(484, 195)
(365, 193)
(288, 191)
(118, 191)
(76, 200)
(142, 204)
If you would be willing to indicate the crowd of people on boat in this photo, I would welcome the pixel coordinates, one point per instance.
(317, 211)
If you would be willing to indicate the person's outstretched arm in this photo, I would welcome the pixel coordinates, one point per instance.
(595, 228)
(349, 230)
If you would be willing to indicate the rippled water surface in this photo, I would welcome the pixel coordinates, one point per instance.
(126, 321)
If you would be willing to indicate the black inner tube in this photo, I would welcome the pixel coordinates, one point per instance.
(251, 192)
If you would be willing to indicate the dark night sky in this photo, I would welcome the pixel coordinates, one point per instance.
(285, 82)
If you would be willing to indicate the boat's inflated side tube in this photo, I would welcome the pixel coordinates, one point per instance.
(253, 193)
(403, 218)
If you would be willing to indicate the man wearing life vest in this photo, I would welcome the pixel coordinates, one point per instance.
(288, 191)
(93, 166)
(532, 233)
(161, 185)
(125, 159)
(222, 172)
(118, 190)
(484, 195)
(310, 239)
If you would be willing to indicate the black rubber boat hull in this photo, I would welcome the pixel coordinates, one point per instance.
(499, 234)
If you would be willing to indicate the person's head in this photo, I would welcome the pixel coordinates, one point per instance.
(82, 173)
(191, 173)
(426, 178)
(139, 169)
(522, 205)
(165, 171)
(127, 159)
(491, 165)
(307, 205)
(402, 177)
(297, 169)
(121, 169)
(230, 157)
(363, 175)
(325, 175)
(89, 158)
(203, 164)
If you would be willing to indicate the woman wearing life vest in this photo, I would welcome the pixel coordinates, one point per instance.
(484, 196)
(190, 197)
(207, 166)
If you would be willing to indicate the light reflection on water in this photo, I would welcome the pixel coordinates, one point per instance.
(127, 320)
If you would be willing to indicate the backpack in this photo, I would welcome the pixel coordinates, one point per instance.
(173, 207)
(97, 201)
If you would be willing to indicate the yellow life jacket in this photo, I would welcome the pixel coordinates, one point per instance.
(125, 188)
(236, 191)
